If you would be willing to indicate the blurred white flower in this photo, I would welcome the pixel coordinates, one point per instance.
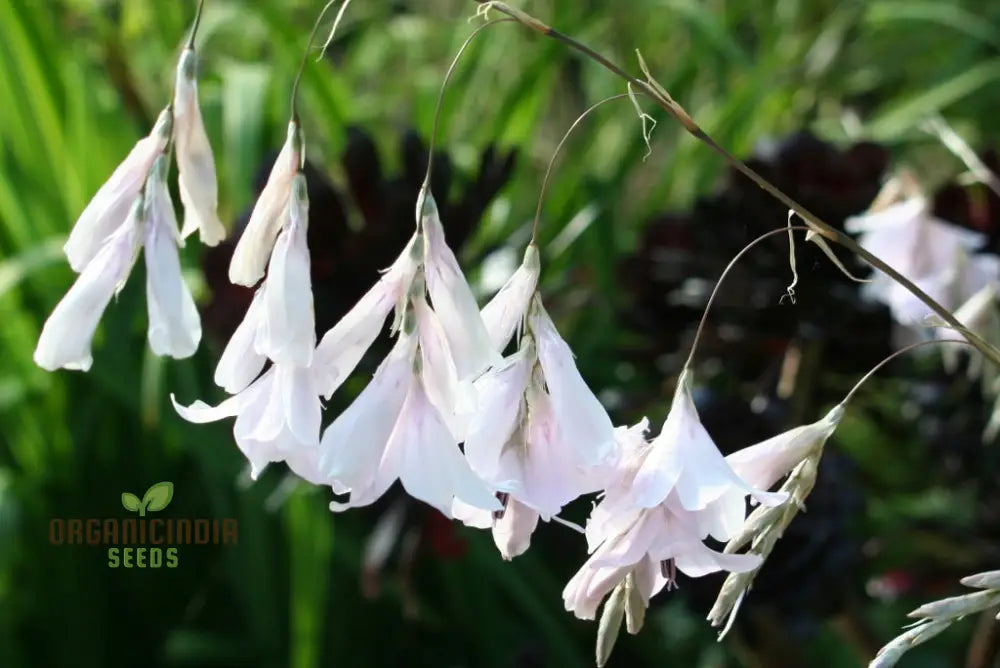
(935, 255)
(110, 207)
(250, 257)
(196, 165)
(174, 323)
(67, 334)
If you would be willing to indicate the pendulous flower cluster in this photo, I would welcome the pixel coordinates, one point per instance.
(133, 211)
(495, 441)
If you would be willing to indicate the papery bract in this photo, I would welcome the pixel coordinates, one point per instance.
(196, 166)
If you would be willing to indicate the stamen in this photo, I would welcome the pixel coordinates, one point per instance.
(668, 569)
(502, 497)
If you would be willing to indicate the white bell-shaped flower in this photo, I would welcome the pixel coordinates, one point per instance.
(197, 178)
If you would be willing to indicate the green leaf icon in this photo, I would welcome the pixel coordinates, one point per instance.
(158, 496)
(130, 501)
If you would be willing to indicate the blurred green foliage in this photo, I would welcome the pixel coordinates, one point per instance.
(81, 81)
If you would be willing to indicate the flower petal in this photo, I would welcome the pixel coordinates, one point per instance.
(353, 446)
(67, 333)
(109, 208)
(288, 334)
(500, 394)
(240, 364)
(174, 323)
(432, 467)
(254, 246)
(341, 348)
(582, 420)
(509, 306)
(512, 531)
(195, 163)
(453, 302)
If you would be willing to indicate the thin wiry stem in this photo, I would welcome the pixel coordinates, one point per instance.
(555, 154)
(196, 25)
(305, 57)
(912, 346)
(425, 186)
(725, 272)
(667, 103)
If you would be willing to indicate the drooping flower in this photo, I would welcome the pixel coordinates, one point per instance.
(109, 209)
(174, 323)
(197, 178)
(398, 428)
(250, 257)
(407, 423)
(669, 496)
(937, 256)
(66, 337)
(278, 413)
(649, 543)
(539, 436)
(683, 465)
(277, 419)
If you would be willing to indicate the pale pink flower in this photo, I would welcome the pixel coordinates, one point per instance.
(539, 436)
(66, 337)
(110, 207)
(174, 323)
(935, 255)
(398, 428)
(287, 332)
(651, 544)
(277, 419)
(685, 463)
(253, 249)
(196, 165)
